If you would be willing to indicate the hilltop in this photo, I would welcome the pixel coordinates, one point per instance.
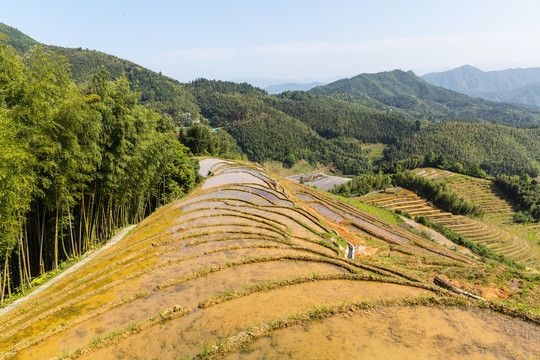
(157, 91)
(407, 95)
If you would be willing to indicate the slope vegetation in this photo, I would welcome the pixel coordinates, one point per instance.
(158, 92)
(220, 271)
(495, 230)
(407, 95)
(495, 148)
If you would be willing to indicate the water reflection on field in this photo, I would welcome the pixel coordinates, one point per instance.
(402, 333)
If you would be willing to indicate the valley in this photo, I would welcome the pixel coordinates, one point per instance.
(376, 216)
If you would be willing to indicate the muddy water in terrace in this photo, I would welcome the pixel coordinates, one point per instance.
(255, 173)
(148, 281)
(178, 240)
(187, 335)
(227, 221)
(323, 210)
(314, 246)
(277, 217)
(225, 194)
(236, 178)
(379, 230)
(200, 249)
(186, 294)
(73, 311)
(402, 333)
(144, 282)
(280, 214)
(197, 233)
(277, 192)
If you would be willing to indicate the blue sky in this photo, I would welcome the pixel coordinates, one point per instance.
(289, 40)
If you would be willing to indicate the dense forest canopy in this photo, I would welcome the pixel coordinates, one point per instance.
(76, 162)
(497, 149)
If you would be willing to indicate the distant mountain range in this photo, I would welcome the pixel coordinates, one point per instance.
(278, 89)
(521, 86)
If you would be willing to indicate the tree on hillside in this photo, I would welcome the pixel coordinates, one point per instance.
(76, 164)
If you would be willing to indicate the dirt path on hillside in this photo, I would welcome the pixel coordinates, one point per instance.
(72, 269)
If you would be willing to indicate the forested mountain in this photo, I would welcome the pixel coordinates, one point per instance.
(495, 148)
(407, 95)
(521, 86)
(265, 132)
(528, 94)
(161, 93)
(19, 41)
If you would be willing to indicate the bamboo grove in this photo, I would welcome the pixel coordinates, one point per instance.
(76, 163)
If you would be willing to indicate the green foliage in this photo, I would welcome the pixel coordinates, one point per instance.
(495, 149)
(160, 93)
(405, 94)
(201, 140)
(76, 164)
(19, 41)
(525, 192)
(363, 184)
(266, 133)
(332, 118)
(436, 192)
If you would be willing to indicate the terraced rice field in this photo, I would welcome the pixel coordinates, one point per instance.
(496, 230)
(368, 225)
(243, 268)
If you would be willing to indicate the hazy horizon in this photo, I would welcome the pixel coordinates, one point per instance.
(296, 41)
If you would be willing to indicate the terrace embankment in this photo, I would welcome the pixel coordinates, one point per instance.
(496, 230)
(242, 252)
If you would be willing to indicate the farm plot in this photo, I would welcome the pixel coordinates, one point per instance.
(209, 254)
(319, 180)
(371, 226)
(495, 237)
(234, 258)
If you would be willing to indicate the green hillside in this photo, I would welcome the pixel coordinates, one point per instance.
(21, 42)
(266, 133)
(528, 94)
(330, 123)
(163, 94)
(495, 148)
(332, 118)
(405, 94)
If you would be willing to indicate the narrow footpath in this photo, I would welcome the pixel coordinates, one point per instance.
(72, 269)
